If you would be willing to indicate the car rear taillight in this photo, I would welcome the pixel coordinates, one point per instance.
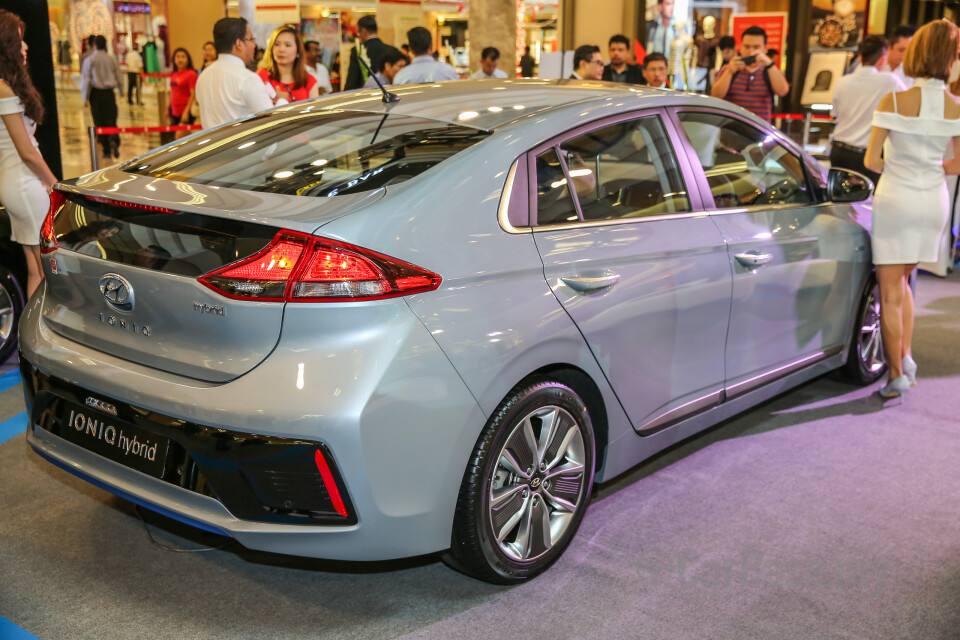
(297, 267)
(48, 239)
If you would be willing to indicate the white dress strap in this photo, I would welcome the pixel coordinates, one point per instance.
(9, 106)
(895, 109)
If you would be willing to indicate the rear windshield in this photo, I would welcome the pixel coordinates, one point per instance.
(311, 154)
(186, 244)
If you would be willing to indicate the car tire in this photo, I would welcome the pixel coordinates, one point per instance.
(511, 522)
(11, 307)
(866, 361)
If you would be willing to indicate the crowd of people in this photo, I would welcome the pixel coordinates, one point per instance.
(897, 120)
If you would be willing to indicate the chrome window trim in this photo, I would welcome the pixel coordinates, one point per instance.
(503, 209)
(773, 207)
(607, 223)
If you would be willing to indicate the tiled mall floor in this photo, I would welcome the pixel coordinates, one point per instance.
(75, 120)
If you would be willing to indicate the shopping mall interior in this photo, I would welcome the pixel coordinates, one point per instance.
(391, 343)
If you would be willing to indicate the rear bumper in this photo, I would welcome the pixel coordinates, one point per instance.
(386, 406)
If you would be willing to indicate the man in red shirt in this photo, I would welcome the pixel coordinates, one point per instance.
(751, 79)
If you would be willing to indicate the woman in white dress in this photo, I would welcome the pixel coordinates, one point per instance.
(913, 128)
(25, 179)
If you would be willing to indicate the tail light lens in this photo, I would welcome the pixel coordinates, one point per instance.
(296, 267)
(48, 239)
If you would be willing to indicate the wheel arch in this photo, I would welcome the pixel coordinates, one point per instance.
(585, 387)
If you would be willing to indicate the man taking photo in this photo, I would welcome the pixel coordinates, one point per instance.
(751, 79)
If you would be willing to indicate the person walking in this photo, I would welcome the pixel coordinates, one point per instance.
(620, 69)
(489, 58)
(25, 179)
(587, 63)
(527, 63)
(855, 98)
(227, 90)
(912, 129)
(387, 67)
(896, 50)
(423, 67)
(284, 68)
(315, 67)
(370, 46)
(134, 68)
(751, 79)
(183, 84)
(99, 78)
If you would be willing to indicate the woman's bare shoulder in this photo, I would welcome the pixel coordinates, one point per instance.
(886, 103)
(6, 91)
(951, 107)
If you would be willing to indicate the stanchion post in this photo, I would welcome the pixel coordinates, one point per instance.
(93, 148)
(806, 129)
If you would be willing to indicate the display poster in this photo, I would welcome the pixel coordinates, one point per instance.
(326, 32)
(775, 24)
(837, 25)
(823, 70)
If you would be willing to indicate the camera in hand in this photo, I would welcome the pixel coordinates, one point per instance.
(749, 60)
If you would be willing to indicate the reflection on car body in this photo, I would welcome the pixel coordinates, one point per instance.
(387, 330)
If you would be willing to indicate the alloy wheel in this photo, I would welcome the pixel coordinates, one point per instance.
(538, 483)
(870, 344)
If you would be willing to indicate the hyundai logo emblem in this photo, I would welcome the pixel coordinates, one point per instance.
(117, 291)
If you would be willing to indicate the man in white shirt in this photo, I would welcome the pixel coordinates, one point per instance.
(655, 70)
(896, 50)
(489, 58)
(134, 67)
(311, 50)
(423, 68)
(587, 63)
(227, 90)
(855, 98)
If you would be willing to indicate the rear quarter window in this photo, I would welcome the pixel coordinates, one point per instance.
(311, 154)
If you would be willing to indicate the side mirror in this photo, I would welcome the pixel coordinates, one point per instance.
(844, 185)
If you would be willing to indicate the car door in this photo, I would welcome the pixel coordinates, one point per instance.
(790, 254)
(637, 265)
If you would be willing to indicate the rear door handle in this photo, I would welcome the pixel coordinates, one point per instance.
(754, 258)
(586, 285)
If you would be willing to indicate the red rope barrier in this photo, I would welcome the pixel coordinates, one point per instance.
(169, 129)
(800, 116)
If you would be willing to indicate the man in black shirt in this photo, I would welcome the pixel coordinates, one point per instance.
(527, 63)
(620, 69)
(373, 47)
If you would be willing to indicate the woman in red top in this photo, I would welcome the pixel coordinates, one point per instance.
(283, 67)
(183, 81)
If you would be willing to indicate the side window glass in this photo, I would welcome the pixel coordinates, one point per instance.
(554, 203)
(744, 165)
(626, 170)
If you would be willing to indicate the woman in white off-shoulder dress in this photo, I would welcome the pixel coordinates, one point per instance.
(913, 128)
(25, 179)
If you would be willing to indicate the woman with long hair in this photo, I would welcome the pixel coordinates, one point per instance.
(25, 179)
(913, 129)
(283, 67)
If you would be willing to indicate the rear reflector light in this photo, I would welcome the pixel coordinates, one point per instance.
(131, 205)
(296, 267)
(331, 485)
(48, 239)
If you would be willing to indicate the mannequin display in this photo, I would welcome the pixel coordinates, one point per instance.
(683, 54)
(706, 39)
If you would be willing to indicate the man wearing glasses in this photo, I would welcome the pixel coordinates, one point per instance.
(227, 90)
(751, 79)
(587, 63)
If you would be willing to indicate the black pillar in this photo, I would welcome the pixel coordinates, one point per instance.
(798, 45)
(35, 15)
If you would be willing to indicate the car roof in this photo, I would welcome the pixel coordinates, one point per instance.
(483, 104)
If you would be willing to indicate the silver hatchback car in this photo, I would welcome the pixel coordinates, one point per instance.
(361, 330)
